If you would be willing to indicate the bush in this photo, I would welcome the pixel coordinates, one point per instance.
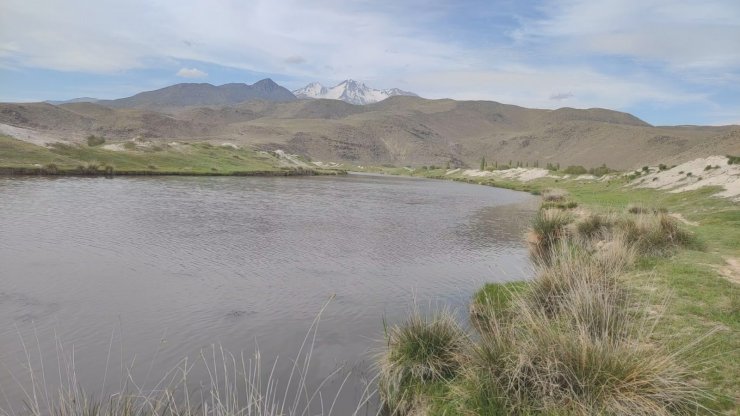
(51, 168)
(420, 351)
(93, 140)
(600, 171)
(662, 167)
(733, 160)
(575, 170)
(129, 145)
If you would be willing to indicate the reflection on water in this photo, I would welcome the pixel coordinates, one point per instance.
(173, 265)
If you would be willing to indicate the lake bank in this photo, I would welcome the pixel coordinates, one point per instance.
(141, 158)
(700, 283)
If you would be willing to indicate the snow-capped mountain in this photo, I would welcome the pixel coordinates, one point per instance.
(351, 91)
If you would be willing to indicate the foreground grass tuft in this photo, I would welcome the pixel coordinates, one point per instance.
(421, 352)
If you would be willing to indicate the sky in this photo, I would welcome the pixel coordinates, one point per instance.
(668, 62)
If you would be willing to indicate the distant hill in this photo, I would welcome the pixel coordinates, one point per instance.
(74, 100)
(399, 130)
(349, 91)
(191, 94)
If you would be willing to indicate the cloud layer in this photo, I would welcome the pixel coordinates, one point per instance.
(612, 53)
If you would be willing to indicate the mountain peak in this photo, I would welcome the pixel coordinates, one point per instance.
(349, 90)
(204, 94)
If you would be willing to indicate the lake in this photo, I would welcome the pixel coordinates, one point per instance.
(131, 275)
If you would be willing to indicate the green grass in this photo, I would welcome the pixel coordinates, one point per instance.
(183, 159)
(422, 353)
(700, 307)
(493, 301)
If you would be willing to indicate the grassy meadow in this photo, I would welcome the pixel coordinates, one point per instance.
(132, 158)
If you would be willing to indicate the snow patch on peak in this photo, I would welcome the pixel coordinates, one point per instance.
(349, 90)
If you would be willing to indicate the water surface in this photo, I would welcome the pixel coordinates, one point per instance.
(156, 269)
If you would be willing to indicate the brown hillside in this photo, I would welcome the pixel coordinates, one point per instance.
(399, 131)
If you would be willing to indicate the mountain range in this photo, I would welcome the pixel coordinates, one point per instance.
(349, 91)
(399, 130)
(192, 94)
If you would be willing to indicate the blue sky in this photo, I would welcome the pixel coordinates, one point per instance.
(667, 62)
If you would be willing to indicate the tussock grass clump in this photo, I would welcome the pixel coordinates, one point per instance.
(574, 269)
(593, 225)
(539, 368)
(554, 195)
(548, 227)
(655, 234)
(559, 205)
(421, 351)
(642, 209)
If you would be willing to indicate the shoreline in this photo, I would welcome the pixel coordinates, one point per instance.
(25, 172)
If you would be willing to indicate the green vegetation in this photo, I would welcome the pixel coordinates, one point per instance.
(93, 140)
(133, 158)
(575, 340)
(733, 160)
(674, 277)
(575, 170)
(421, 353)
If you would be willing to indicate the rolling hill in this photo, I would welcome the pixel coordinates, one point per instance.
(400, 130)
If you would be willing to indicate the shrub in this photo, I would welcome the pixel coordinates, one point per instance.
(600, 171)
(420, 351)
(129, 145)
(51, 168)
(662, 167)
(93, 140)
(575, 170)
(89, 168)
(733, 160)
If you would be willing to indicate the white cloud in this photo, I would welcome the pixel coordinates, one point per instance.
(191, 73)
(684, 35)
(535, 87)
(329, 40)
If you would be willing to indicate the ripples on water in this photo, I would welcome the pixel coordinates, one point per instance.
(173, 265)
